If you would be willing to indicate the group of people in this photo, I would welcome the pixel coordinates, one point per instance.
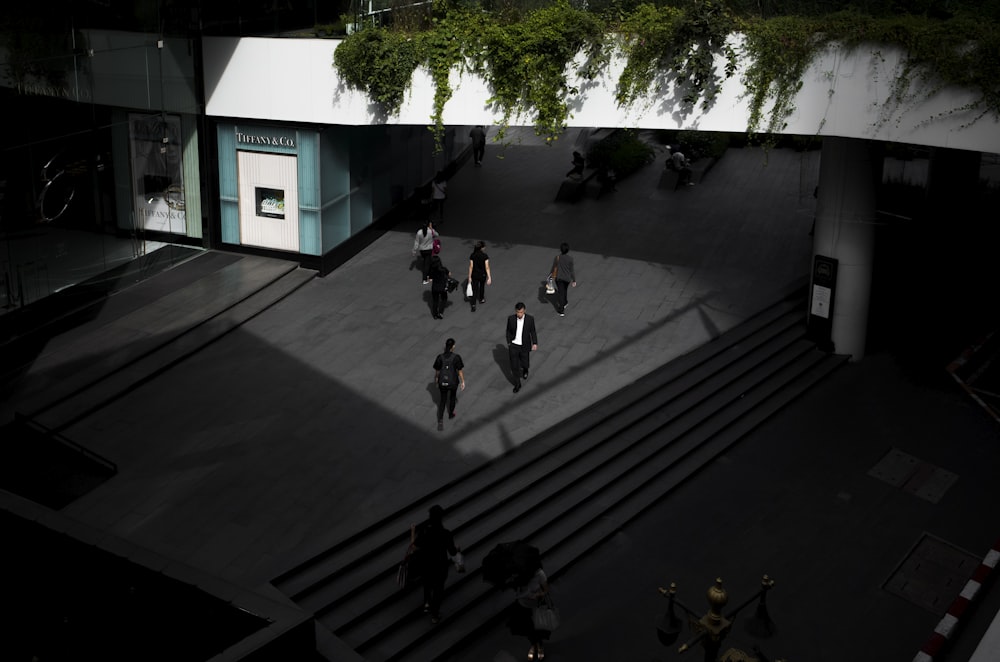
(427, 244)
(432, 544)
(433, 551)
(521, 333)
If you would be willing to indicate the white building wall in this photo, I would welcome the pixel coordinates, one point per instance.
(843, 94)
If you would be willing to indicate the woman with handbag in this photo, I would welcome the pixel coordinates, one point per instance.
(533, 594)
(479, 273)
(564, 276)
(424, 243)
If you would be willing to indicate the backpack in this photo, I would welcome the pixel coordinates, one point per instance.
(447, 375)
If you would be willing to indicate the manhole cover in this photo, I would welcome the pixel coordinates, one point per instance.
(895, 468)
(913, 475)
(932, 575)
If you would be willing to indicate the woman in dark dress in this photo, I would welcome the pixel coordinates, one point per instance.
(479, 273)
(520, 619)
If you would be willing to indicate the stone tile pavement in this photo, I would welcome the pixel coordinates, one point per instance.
(318, 415)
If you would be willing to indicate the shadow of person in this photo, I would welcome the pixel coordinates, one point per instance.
(434, 391)
(502, 358)
(545, 298)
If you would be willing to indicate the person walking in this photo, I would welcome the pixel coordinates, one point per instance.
(449, 375)
(564, 274)
(423, 243)
(479, 273)
(434, 545)
(439, 193)
(520, 619)
(478, 135)
(521, 341)
(439, 276)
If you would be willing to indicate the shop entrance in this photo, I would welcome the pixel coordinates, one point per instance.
(269, 200)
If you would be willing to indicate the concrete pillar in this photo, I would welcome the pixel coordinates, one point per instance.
(850, 170)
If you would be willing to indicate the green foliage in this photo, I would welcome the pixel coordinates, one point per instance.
(380, 62)
(962, 51)
(441, 50)
(684, 43)
(526, 63)
(622, 152)
(526, 50)
(703, 144)
(780, 50)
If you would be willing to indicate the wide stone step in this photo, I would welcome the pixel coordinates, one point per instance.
(507, 472)
(135, 363)
(566, 533)
(566, 491)
(585, 461)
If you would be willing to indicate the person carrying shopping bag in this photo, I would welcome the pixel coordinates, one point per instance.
(423, 244)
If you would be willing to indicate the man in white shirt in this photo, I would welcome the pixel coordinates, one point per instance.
(521, 341)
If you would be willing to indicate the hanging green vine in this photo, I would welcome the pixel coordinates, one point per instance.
(380, 62)
(527, 60)
(661, 40)
(441, 49)
(780, 50)
(963, 51)
(526, 63)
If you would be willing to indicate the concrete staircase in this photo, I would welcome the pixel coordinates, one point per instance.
(566, 491)
(141, 332)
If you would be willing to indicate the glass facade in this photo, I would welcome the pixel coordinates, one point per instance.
(99, 158)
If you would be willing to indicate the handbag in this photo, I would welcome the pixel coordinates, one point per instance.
(436, 247)
(452, 284)
(550, 282)
(545, 616)
(403, 570)
(459, 560)
(468, 290)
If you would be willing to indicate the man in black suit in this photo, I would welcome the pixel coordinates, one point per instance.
(521, 341)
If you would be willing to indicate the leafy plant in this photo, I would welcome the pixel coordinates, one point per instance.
(703, 144)
(681, 42)
(962, 51)
(526, 63)
(622, 151)
(380, 62)
(527, 54)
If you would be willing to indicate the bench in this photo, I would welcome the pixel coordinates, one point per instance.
(573, 188)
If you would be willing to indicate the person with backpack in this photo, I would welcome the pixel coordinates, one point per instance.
(450, 376)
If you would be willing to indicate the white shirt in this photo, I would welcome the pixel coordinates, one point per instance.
(517, 336)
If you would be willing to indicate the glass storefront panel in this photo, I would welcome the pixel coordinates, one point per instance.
(61, 219)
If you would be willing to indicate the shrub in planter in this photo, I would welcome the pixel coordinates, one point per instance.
(622, 152)
(703, 144)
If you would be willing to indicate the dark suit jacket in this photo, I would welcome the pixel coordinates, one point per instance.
(528, 335)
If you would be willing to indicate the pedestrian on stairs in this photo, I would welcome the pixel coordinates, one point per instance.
(436, 549)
